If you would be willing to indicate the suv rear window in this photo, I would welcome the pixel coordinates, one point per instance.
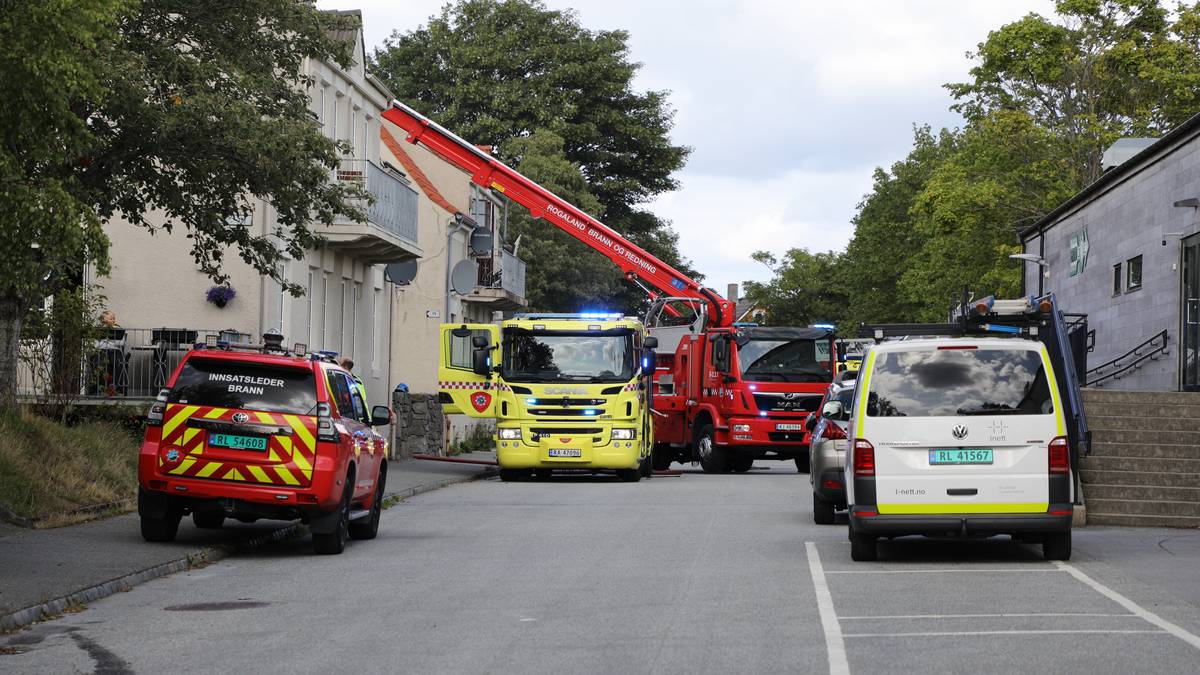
(251, 386)
(952, 382)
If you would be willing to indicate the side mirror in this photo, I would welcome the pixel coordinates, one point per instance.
(833, 409)
(481, 360)
(381, 415)
(479, 342)
(810, 422)
(650, 342)
(461, 332)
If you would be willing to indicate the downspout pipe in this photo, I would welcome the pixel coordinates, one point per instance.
(458, 222)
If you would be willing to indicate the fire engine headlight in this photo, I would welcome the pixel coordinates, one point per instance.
(509, 434)
(741, 428)
(624, 434)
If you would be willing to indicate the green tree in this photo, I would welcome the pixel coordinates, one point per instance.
(885, 237)
(122, 107)
(803, 289)
(1006, 172)
(496, 71)
(1104, 69)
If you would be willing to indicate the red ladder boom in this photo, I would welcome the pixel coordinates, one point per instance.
(636, 263)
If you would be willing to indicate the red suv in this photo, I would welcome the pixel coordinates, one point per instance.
(263, 434)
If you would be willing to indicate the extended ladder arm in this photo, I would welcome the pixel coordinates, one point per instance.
(485, 170)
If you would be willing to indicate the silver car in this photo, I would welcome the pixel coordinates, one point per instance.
(827, 448)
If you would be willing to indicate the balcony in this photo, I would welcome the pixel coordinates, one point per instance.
(390, 233)
(502, 289)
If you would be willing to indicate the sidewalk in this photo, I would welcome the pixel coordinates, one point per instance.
(44, 571)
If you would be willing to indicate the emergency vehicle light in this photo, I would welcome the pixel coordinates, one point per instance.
(531, 401)
(300, 349)
(826, 326)
(591, 412)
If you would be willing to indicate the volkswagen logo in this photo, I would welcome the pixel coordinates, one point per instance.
(959, 431)
(242, 418)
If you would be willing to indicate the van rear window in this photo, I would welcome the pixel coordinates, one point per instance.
(946, 383)
(245, 385)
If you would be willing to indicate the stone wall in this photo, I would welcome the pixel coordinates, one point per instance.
(420, 426)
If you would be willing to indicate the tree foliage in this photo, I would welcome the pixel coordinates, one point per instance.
(803, 289)
(497, 71)
(116, 108)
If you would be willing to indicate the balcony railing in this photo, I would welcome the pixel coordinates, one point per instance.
(510, 277)
(394, 205)
(125, 363)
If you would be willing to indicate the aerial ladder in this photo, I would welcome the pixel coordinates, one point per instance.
(710, 405)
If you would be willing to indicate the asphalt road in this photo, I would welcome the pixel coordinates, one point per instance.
(691, 574)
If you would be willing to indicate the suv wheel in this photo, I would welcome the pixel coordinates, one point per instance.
(162, 526)
(368, 527)
(713, 458)
(822, 511)
(862, 547)
(802, 464)
(1057, 546)
(208, 520)
(333, 543)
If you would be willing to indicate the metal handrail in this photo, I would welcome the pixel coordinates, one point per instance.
(1163, 335)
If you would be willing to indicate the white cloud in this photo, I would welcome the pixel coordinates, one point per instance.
(788, 104)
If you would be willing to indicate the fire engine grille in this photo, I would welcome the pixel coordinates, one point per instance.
(786, 436)
(787, 402)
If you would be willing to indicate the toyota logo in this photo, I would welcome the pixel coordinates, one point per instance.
(240, 418)
(959, 431)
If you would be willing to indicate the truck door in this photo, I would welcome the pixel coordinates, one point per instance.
(461, 388)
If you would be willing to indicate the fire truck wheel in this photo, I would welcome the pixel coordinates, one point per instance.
(629, 475)
(333, 543)
(542, 474)
(713, 458)
(663, 456)
(741, 463)
(208, 520)
(645, 468)
(512, 475)
(368, 527)
(802, 463)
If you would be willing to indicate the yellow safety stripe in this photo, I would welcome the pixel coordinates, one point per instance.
(234, 474)
(1059, 420)
(188, 435)
(954, 509)
(215, 413)
(173, 423)
(302, 431)
(208, 470)
(863, 396)
(265, 418)
(298, 457)
(183, 466)
(286, 475)
(259, 474)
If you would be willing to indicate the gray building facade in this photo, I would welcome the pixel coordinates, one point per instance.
(1126, 251)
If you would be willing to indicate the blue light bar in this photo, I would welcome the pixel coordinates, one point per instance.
(590, 412)
(762, 413)
(997, 328)
(531, 401)
(826, 326)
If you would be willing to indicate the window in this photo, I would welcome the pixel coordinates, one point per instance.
(324, 309)
(948, 383)
(346, 347)
(308, 315)
(375, 328)
(766, 360)
(360, 406)
(339, 387)
(1079, 252)
(230, 384)
(1133, 273)
(1117, 279)
(560, 356)
(282, 294)
(356, 295)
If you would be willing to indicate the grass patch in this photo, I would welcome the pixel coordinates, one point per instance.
(49, 470)
(477, 439)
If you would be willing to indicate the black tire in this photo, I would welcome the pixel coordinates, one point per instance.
(822, 511)
(368, 527)
(646, 468)
(511, 475)
(740, 463)
(713, 458)
(163, 524)
(802, 465)
(862, 547)
(1057, 546)
(208, 520)
(629, 475)
(663, 456)
(333, 543)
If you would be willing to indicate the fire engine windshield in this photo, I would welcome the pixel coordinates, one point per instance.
(785, 360)
(247, 386)
(557, 356)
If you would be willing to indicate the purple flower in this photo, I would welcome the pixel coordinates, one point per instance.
(220, 295)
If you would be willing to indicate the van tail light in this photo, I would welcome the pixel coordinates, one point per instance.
(864, 458)
(1059, 455)
(154, 416)
(325, 429)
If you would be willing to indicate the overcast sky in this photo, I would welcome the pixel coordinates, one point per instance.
(789, 105)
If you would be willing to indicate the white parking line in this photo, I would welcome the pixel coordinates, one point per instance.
(835, 647)
(1004, 632)
(946, 571)
(983, 616)
(1130, 605)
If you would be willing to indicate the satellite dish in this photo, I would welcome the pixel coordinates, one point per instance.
(464, 276)
(401, 272)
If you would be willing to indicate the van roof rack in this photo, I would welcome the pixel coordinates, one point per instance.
(1021, 317)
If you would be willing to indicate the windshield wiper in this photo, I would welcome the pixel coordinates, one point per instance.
(989, 411)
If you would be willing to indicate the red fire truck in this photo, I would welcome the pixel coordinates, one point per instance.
(724, 393)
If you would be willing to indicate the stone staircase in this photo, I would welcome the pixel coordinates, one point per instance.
(1144, 469)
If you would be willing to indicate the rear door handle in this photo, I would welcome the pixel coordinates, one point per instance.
(962, 492)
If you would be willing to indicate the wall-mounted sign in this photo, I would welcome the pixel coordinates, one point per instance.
(1079, 252)
(433, 314)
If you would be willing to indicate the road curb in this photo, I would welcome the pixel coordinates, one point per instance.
(197, 558)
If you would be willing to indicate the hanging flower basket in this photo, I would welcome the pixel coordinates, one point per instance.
(220, 295)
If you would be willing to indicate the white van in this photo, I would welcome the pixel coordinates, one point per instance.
(959, 436)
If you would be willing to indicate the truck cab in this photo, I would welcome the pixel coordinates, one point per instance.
(567, 391)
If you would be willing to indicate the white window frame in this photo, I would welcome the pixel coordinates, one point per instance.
(324, 309)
